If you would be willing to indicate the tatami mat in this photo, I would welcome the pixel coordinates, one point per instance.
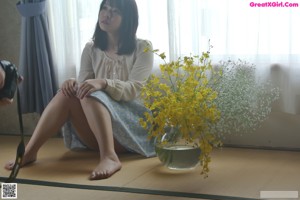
(53, 193)
(235, 174)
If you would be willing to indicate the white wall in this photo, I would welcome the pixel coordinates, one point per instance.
(280, 130)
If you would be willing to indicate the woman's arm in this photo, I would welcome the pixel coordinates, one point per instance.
(117, 89)
(141, 70)
(86, 79)
(86, 67)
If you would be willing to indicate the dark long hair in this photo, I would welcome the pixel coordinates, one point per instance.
(128, 28)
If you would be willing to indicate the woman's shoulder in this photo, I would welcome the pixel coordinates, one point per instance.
(143, 44)
(90, 48)
(89, 44)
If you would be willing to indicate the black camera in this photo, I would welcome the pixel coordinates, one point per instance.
(11, 79)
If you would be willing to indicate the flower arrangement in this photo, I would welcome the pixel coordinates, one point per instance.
(204, 102)
(183, 97)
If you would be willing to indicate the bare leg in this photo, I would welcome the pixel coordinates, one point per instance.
(99, 120)
(54, 116)
(62, 108)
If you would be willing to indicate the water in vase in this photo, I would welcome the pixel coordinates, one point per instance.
(180, 157)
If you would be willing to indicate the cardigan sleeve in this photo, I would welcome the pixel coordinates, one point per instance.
(86, 68)
(140, 72)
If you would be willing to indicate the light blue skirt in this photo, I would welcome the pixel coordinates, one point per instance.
(125, 123)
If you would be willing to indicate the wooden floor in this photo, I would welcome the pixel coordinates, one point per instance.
(235, 174)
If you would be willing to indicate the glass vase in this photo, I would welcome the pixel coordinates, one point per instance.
(175, 152)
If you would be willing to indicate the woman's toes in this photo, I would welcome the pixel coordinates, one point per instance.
(105, 169)
(99, 175)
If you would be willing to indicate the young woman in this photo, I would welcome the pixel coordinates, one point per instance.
(100, 109)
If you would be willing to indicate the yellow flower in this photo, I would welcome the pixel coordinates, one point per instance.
(182, 97)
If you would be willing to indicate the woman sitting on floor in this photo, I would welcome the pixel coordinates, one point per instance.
(100, 110)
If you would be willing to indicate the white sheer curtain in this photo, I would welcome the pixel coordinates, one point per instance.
(265, 36)
(72, 23)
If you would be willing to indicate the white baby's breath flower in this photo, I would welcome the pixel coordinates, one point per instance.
(244, 101)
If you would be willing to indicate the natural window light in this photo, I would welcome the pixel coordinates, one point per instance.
(265, 34)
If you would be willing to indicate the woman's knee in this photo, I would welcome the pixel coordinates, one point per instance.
(89, 102)
(67, 101)
(92, 105)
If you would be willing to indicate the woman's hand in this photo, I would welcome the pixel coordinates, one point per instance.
(69, 87)
(89, 86)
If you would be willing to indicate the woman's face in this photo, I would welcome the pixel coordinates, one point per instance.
(110, 19)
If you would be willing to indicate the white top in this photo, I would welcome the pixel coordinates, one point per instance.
(125, 75)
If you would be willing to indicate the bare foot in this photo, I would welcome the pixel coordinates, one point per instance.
(26, 161)
(106, 168)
